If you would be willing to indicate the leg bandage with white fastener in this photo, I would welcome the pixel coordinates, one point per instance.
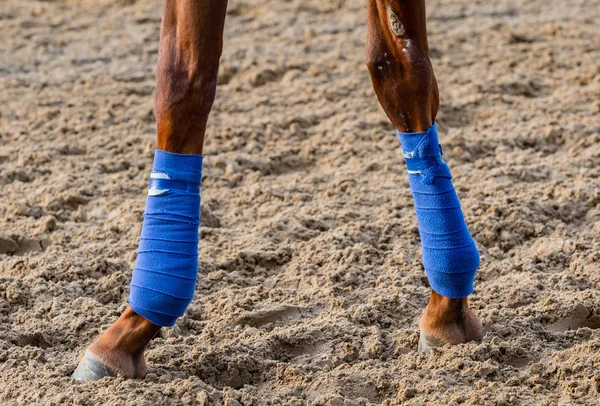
(450, 256)
(164, 276)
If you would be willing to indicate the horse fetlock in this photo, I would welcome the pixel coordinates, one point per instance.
(448, 326)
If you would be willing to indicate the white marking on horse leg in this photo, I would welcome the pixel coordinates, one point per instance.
(395, 24)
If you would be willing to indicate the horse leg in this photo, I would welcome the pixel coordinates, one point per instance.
(191, 41)
(405, 84)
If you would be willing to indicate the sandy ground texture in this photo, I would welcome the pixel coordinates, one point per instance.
(310, 281)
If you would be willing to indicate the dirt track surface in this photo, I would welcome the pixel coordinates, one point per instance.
(310, 281)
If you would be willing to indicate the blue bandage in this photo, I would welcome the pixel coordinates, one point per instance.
(164, 277)
(450, 256)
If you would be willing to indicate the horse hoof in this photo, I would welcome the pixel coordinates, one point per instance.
(90, 368)
(427, 343)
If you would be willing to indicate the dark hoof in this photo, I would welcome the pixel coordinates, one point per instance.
(90, 368)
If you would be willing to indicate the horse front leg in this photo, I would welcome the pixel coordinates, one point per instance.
(405, 84)
(163, 283)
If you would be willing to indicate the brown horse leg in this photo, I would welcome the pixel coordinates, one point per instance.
(191, 41)
(403, 78)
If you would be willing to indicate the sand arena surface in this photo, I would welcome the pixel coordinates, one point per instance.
(310, 281)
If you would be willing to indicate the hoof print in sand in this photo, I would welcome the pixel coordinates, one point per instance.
(580, 317)
(276, 314)
(20, 246)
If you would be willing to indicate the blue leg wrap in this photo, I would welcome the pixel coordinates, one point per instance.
(450, 256)
(164, 277)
